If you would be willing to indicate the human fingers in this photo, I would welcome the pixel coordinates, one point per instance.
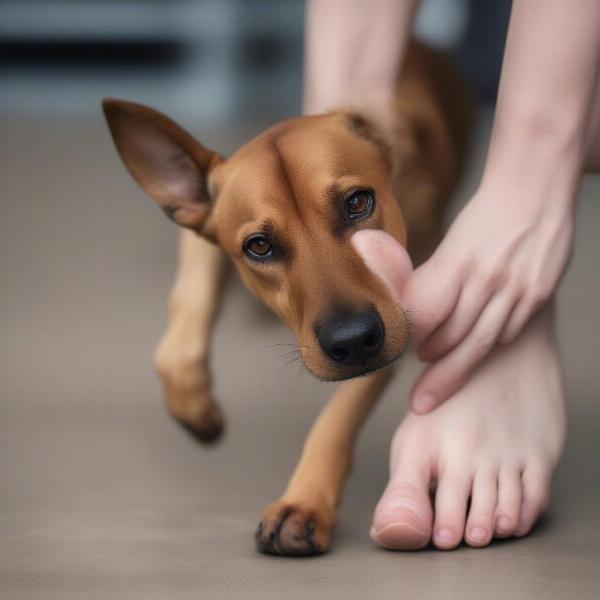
(442, 378)
(471, 303)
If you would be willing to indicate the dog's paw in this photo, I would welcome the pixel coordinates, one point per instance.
(196, 412)
(205, 433)
(206, 427)
(186, 381)
(294, 529)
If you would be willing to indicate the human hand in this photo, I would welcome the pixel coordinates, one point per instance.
(498, 264)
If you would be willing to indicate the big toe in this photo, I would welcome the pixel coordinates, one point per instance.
(403, 517)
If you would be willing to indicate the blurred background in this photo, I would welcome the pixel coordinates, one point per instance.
(101, 494)
(216, 61)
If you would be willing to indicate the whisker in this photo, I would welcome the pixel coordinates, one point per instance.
(288, 354)
(271, 346)
(294, 359)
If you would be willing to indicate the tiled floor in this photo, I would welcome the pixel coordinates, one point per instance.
(103, 496)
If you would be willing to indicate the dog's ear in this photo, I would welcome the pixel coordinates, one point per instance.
(164, 159)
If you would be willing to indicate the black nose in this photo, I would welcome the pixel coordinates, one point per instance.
(352, 339)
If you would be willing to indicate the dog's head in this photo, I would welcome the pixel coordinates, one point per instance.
(284, 207)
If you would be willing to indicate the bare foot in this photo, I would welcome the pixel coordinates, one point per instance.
(496, 442)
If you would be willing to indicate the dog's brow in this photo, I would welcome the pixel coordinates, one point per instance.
(267, 227)
(335, 191)
(286, 176)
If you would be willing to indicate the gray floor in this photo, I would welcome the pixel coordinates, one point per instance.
(103, 496)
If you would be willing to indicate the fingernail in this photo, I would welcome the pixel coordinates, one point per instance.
(503, 523)
(478, 534)
(445, 536)
(424, 403)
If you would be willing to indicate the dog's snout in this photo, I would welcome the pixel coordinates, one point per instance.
(352, 339)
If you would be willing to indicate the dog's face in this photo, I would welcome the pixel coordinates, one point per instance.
(284, 207)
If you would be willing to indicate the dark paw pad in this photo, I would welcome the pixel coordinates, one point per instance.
(290, 534)
(204, 436)
(207, 427)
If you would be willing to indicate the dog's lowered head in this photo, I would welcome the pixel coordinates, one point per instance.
(284, 207)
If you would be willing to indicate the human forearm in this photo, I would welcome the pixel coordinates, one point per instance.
(353, 51)
(546, 92)
(504, 255)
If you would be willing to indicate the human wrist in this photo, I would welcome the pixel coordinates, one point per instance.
(535, 152)
(559, 122)
(526, 129)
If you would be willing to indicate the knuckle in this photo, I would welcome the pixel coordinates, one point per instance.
(484, 341)
(451, 337)
(538, 294)
(491, 277)
(466, 266)
(450, 342)
(508, 336)
(440, 345)
(443, 385)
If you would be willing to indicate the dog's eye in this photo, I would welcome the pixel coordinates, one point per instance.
(258, 247)
(359, 205)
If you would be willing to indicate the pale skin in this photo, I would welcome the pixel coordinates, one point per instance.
(497, 267)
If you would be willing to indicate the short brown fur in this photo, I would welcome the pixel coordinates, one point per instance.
(290, 183)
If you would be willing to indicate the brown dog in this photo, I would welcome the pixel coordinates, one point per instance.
(283, 208)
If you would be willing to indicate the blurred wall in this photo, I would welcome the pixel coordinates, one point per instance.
(217, 60)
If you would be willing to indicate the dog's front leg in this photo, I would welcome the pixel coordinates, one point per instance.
(302, 521)
(182, 357)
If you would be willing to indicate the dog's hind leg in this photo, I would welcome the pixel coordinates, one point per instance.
(302, 521)
(182, 357)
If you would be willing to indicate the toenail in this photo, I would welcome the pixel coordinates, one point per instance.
(400, 536)
(445, 535)
(479, 534)
(407, 521)
(503, 523)
(424, 403)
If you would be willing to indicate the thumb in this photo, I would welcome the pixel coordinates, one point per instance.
(386, 258)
